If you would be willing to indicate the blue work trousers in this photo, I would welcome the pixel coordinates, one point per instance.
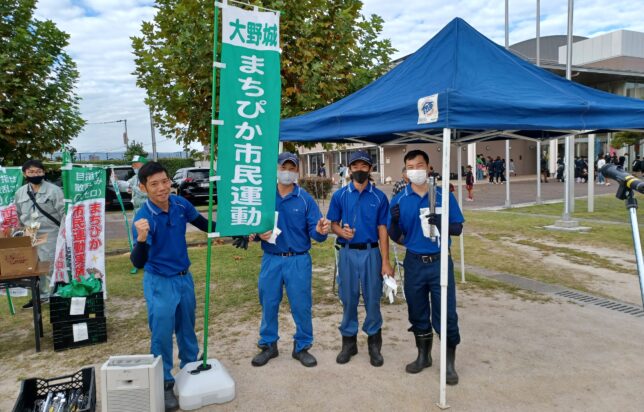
(423, 294)
(294, 274)
(171, 309)
(360, 270)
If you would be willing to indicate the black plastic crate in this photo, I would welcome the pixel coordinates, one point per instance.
(59, 308)
(37, 388)
(64, 333)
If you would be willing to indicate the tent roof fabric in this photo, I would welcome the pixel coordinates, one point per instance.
(480, 86)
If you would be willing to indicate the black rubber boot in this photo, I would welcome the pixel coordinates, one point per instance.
(268, 352)
(452, 376)
(304, 357)
(424, 360)
(349, 349)
(171, 402)
(374, 343)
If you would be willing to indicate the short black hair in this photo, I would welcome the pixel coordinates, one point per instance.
(149, 169)
(414, 154)
(32, 163)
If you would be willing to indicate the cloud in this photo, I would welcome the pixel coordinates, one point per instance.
(100, 44)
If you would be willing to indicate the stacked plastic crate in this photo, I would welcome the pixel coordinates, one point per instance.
(78, 321)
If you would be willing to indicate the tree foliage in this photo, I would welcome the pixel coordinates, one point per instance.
(38, 106)
(134, 149)
(329, 50)
(622, 139)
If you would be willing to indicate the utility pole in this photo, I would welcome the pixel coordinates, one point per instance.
(154, 140)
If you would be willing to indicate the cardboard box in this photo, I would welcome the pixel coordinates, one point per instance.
(17, 256)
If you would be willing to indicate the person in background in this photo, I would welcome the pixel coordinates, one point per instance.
(138, 196)
(469, 183)
(322, 171)
(40, 205)
(286, 264)
(400, 184)
(544, 170)
(601, 180)
(480, 166)
(422, 264)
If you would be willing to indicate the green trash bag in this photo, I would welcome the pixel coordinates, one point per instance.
(77, 289)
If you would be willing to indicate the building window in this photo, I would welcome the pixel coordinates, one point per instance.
(635, 90)
(315, 162)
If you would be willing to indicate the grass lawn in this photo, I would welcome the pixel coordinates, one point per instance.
(494, 240)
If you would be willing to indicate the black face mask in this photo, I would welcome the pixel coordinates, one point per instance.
(360, 176)
(35, 179)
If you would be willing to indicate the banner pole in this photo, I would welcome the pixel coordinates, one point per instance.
(120, 200)
(213, 136)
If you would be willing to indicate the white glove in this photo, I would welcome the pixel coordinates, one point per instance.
(389, 287)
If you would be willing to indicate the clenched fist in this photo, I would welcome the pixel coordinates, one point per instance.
(323, 226)
(142, 228)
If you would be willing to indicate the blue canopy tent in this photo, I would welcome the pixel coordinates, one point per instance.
(462, 82)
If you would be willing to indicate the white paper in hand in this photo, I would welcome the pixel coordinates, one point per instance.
(389, 287)
(276, 231)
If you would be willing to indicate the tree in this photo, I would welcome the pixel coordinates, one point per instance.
(38, 106)
(134, 149)
(626, 138)
(329, 50)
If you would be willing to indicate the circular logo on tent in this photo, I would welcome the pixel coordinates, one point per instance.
(428, 109)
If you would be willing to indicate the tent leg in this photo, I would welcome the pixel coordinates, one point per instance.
(591, 173)
(460, 203)
(539, 172)
(508, 204)
(447, 135)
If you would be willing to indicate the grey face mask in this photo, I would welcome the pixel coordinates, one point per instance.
(286, 177)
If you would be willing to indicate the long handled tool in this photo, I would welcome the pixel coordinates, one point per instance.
(127, 225)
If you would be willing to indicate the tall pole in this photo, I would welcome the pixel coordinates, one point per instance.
(539, 171)
(538, 56)
(460, 203)
(507, 24)
(570, 175)
(591, 172)
(154, 139)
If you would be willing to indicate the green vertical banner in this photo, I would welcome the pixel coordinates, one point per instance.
(249, 106)
(10, 181)
(80, 249)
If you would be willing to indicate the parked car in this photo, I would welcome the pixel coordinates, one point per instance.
(123, 173)
(192, 183)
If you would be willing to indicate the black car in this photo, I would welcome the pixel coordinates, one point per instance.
(123, 173)
(192, 183)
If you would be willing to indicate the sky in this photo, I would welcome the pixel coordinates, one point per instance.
(100, 44)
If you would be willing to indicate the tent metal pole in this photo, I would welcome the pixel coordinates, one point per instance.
(507, 24)
(447, 134)
(538, 171)
(381, 163)
(571, 170)
(538, 55)
(508, 203)
(460, 203)
(591, 172)
(566, 214)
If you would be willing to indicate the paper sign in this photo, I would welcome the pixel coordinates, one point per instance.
(77, 307)
(80, 332)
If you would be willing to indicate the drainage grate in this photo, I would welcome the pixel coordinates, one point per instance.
(605, 303)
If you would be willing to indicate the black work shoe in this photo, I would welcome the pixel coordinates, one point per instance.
(374, 343)
(268, 352)
(452, 376)
(171, 402)
(304, 357)
(30, 304)
(349, 349)
(424, 359)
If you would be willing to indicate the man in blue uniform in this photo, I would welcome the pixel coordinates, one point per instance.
(161, 249)
(287, 263)
(358, 214)
(422, 263)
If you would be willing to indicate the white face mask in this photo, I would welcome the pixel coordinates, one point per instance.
(286, 177)
(418, 177)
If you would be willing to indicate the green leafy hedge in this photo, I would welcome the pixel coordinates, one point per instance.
(170, 163)
(318, 187)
